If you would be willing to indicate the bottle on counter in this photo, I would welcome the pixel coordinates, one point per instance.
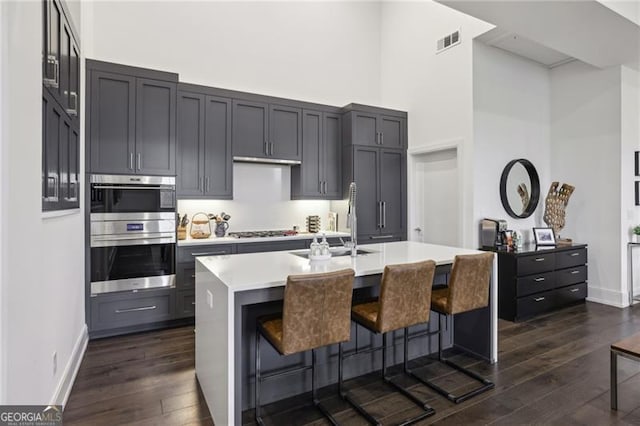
(314, 248)
(324, 246)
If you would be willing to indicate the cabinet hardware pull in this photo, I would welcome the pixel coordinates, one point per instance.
(381, 138)
(144, 308)
(139, 157)
(325, 186)
(206, 184)
(575, 254)
(575, 272)
(52, 178)
(539, 299)
(380, 214)
(211, 253)
(270, 148)
(73, 111)
(131, 160)
(540, 259)
(320, 186)
(384, 214)
(201, 184)
(266, 148)
(380, 237)
(539, 279)
(54, 82)
(193, 303)
(193, 275)
(573, 290)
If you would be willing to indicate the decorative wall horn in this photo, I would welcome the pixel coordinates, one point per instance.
(555, 204)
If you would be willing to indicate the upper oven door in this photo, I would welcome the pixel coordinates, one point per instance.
(132, 194)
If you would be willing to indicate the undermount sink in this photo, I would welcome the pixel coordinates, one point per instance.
(335, 252)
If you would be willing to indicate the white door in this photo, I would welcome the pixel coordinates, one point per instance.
(436, 215)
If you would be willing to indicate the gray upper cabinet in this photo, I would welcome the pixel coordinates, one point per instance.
(393, 191)
(376, 127)
(269, 131)
(155, 127)
(205, 168)
(132, 120)
(319, 175)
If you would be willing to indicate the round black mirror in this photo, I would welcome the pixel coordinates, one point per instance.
(519, 188)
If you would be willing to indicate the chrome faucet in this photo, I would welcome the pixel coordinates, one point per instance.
(352, 223)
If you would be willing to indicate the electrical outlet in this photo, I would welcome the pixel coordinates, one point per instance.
(54, 359)
(210, 299)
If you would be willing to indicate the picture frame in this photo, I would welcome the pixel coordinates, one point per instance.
(637, 163)
(637, 193)
(544, 236)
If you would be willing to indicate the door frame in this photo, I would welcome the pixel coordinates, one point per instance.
(413, 155)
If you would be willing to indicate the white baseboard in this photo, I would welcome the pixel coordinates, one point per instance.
(68, 377)
(608, 297)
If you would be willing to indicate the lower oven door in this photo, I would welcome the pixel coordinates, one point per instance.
(132, 267)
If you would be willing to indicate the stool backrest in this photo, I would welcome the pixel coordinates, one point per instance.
(469, 282)
(317, 310)
(405, 295)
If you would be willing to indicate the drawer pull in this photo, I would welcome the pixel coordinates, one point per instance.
(211, 253)
(193, 275)
(575, 272)
(539, 299)
(575, 254)
(144, 308)
(573, 290)
(539, 259)
(381, 237)
(539, 279)
(193, 303)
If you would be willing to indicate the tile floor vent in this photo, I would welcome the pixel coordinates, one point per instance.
(448, 41)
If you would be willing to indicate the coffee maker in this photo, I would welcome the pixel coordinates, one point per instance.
(492, 233)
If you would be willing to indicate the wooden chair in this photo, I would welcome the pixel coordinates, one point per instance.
(316, 313)
(405, 296)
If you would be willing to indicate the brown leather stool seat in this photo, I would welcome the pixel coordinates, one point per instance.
(468, 290)
(316, 313)
(405, 295)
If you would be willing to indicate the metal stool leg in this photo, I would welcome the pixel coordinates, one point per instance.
(314, 392)
(258, 379)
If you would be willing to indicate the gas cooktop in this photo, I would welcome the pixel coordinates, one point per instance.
(259, 234)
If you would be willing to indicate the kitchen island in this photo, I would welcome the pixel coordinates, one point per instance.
(232, 290)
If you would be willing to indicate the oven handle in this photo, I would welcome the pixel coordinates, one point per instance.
(108, 242)
(128, 187)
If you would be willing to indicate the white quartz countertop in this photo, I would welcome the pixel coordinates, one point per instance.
(241, 272)
(231, 240)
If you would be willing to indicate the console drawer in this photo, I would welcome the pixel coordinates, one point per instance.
(570, 294)
(535, 283)
(535, 304)
(541, 262)
(127, 309)
(570, 276)
(569, 258)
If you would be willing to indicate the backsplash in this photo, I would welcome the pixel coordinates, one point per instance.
(261, 200)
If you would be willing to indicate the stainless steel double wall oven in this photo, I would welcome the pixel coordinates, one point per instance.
(133, 237)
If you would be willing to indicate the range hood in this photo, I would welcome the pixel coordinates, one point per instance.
(240, 159)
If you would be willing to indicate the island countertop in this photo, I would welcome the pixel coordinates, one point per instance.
(255, 271)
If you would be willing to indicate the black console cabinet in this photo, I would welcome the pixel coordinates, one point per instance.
(534, 280)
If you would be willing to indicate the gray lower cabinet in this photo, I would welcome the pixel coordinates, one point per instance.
(381, 201)
(119, 310)
(185, 303)
(320, 174)
(132, 120)
(268, 131)
(205, 160)
(366, 126)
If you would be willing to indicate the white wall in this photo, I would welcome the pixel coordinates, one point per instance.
(261, 200)
(511, 106)
(4, 137)
(436, 90)
(586, 152)
(42, 259)
(313, 51)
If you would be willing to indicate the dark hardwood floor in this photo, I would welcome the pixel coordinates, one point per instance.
(552, 369)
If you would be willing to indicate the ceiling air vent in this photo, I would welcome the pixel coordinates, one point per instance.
(448, 41)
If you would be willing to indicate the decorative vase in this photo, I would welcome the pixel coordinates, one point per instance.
(221, 229)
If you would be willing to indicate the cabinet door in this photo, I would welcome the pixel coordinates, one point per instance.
(392, 132)
(112, 109)
(155, 127)
(71, 76)
(365, 128)
(51, 132)
(53, 20)
(250, 129)
(392, 191)
(310, 173)
(71, 192)
(190, 141)
(332, 158)
(285, 132)
(365, 172)
(218, 158)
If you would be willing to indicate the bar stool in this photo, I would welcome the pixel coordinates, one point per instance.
(468, 290)
(316, 313)
(405, 296)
